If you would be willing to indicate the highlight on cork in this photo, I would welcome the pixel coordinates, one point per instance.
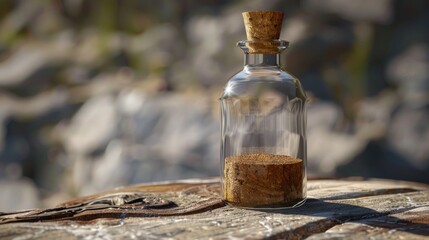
(263, 25)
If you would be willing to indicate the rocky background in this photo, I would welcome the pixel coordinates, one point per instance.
(98, 94)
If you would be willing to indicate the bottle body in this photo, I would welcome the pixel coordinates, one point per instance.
(263, 136)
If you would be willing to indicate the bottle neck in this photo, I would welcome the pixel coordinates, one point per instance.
(262, 60)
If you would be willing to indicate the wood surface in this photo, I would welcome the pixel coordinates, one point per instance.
(192, 209)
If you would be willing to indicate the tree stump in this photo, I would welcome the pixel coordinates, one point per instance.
(192, 209)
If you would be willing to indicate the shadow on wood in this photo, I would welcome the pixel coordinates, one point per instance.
(340, 213)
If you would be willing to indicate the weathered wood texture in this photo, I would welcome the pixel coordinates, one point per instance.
(344, 209)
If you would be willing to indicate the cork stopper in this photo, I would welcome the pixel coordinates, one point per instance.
(263, 25)
(263, 31)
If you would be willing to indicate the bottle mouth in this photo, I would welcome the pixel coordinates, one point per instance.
(263, 46)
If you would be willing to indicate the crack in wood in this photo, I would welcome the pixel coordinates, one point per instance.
(377, 192)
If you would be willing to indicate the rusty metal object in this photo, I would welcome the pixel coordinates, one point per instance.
(134, 201)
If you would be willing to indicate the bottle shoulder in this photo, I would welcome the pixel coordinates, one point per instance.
(250, 81)
(254, 74)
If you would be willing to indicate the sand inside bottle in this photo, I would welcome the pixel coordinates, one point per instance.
(263, 180)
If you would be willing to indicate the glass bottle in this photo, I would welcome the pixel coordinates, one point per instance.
(263, 132)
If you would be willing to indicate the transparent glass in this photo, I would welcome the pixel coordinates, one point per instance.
(263, 132)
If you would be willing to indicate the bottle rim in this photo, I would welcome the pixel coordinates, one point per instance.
(263, 46)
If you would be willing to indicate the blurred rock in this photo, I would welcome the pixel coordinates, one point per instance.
(410, 71)
(103, 84)
(73, 6)
(380, 11)
(177, 118)
(15, 150)
(207, 33)
(323, 114)
(92, 127)
(77, 74)
(210, 37)
(373, 114)
(13, 171)
(47, 21)
(18, 195)
(158, 138)
(4, 114)
(378, 161)
(295, 29)
(316, 55)
(25, 65)
(80, 170)
(31, 68)
(130, 101)
(87, 51)
(24, 14)
(16, 146)
(157, 47)
(36, 106)
(124, 163)
(327, 150)
(112, 170)
(328, 147)
(408, 134)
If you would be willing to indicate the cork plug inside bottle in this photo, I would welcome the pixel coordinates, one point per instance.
(262, 27)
